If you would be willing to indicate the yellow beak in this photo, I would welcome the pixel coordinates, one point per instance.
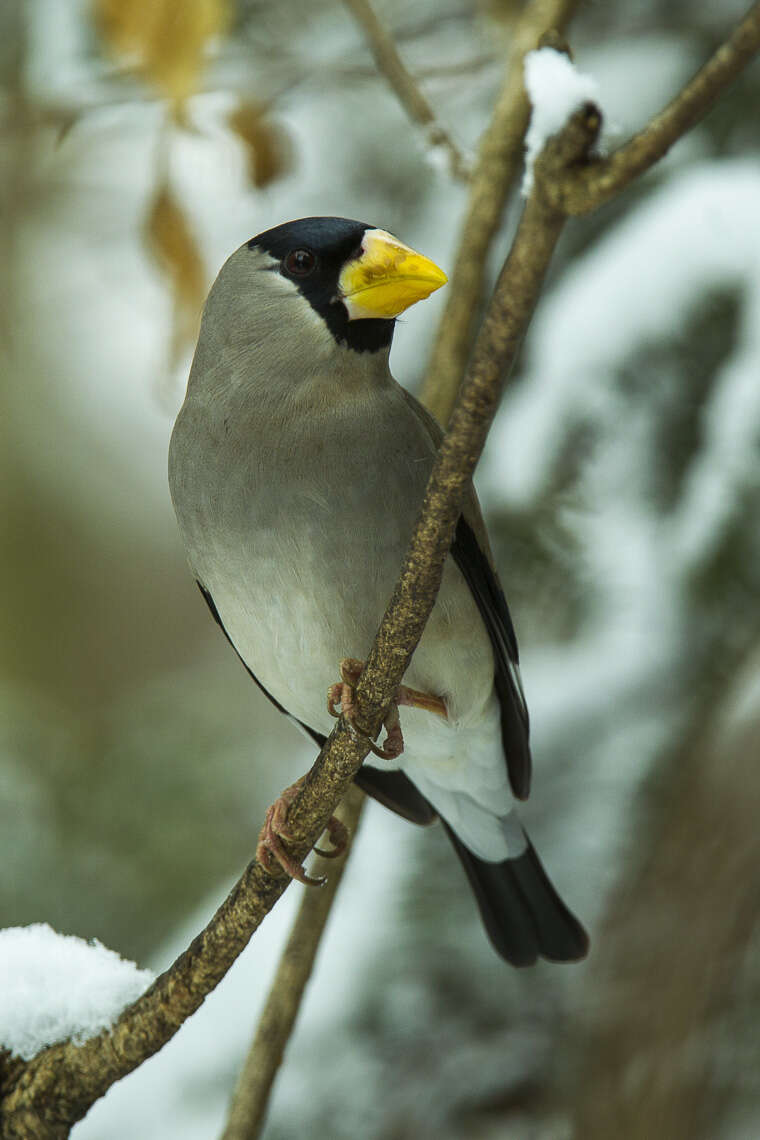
(386, 278)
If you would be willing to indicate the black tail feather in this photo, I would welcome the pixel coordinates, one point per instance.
(523, 914)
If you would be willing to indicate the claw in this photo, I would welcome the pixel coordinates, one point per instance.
(342, 694)
(270, 849)
(338, 834)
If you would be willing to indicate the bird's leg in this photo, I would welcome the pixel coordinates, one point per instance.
(270, 845)
(342, 693)
(415, 699)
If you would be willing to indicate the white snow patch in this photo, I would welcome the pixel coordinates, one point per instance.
(556, 90)
(55, 986)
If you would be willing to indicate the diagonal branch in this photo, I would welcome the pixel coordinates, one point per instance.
(391, 65)
(58, 1086)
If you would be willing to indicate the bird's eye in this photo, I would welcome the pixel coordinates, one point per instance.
(301, 262)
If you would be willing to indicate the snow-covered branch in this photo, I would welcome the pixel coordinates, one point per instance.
(582, 190)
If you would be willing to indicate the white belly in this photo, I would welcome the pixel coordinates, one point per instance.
(457, 763)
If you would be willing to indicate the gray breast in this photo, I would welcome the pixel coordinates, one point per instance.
(298, 529)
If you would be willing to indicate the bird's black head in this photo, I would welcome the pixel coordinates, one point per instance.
(312, 252)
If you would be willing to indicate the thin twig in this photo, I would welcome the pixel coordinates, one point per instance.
(402, 82)
(499, 161)
(249, 1102)
(580, 191)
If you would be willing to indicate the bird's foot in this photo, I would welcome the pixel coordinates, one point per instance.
(342, 693)
(270, 848)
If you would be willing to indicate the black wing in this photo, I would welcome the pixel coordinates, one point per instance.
(392, 789)
(489, 596)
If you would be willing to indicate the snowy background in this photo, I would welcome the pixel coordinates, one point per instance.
(622, 486)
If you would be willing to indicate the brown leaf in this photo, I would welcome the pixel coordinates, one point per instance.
(165, 39)
(267, 146)
(170, 240)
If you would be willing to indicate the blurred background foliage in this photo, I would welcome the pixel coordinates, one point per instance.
(142, 142)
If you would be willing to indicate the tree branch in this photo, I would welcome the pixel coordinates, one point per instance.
(58, 1086)
(499, 161)
(390, 64)
(251, 1096)
(580, 191)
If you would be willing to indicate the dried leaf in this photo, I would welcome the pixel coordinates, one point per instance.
(165, 39)
(267, 146)
(171, 241)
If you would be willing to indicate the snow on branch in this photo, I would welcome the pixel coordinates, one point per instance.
(556, 90)
(55, 987)
(590, 184)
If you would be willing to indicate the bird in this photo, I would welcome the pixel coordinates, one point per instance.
(297, 467)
